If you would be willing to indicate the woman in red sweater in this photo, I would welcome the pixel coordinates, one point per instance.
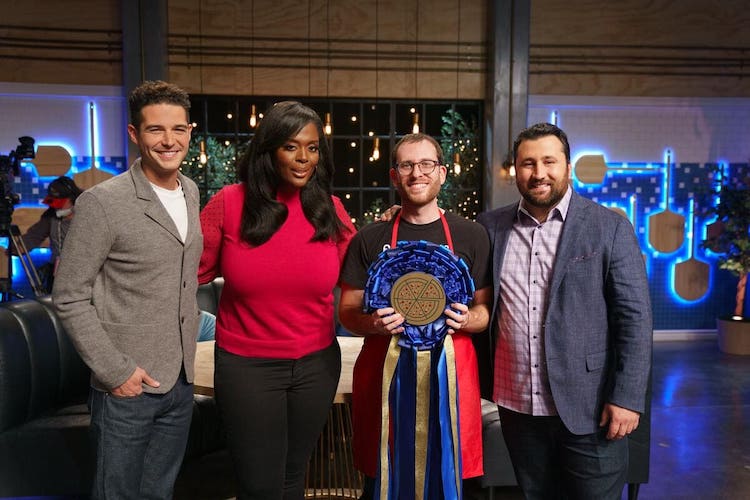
(278, 238)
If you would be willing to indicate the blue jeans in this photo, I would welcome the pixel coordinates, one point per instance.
(139, 441)
(552, 463)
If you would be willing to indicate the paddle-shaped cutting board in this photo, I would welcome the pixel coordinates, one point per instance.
(666, 230)
(691, 276)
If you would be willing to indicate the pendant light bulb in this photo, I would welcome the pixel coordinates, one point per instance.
(457, 164)
(253, 117)
(376, 149)
(203, 158)
(328, 128)
(415, 126)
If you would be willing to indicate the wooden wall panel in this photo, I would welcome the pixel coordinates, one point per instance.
(326, 48)
(74, 14)
(633, 22)
(640, 48)
(265, 47)
(71, 42)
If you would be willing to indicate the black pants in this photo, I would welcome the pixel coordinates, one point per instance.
(274, 410)
(552, 463)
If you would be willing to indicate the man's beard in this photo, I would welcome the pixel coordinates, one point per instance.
(557, 192)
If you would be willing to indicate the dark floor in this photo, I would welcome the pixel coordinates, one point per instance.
(700, 435)
(700, 425)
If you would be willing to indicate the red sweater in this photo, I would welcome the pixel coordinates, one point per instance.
(277, 300)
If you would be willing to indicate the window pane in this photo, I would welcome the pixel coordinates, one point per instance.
(346, 119)
(376, 118)
(405, 118)
(432, 121)
(221, 115)
(351, 200)
(375, 172)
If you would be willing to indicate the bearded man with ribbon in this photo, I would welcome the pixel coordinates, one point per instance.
(417, 287)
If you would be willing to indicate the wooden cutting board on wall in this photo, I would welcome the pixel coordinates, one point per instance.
(666, 230)
(691, 276)
(90, 177)
(51, 161)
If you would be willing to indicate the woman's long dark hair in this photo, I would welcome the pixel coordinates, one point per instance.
(262, 215)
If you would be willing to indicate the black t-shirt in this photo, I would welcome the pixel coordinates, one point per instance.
(470, 242)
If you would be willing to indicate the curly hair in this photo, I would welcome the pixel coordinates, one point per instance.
(262, 215)
(155, 92)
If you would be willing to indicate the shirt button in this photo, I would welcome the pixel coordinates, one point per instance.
(184, 284)
(536, 365)
(533, 308)
(182, 319)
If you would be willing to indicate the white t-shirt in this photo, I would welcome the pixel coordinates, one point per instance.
(174, 201)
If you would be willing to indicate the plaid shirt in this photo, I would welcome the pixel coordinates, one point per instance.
(521, 380)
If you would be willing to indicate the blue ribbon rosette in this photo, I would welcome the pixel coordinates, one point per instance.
(419, 256)
(422, 459)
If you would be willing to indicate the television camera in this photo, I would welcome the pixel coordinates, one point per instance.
(10, 168)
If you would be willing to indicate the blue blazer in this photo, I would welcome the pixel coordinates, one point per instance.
(598, 326)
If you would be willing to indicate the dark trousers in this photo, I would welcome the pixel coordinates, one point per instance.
(274, 410)
(140, 442)
(550, 462)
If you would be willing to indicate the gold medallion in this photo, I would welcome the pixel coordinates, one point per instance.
(418, 297)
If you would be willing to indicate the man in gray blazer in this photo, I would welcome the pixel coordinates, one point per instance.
(570, 349)
(126, 294)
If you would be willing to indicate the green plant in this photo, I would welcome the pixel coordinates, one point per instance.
(219, 169)
(729, 236)
(460, 193)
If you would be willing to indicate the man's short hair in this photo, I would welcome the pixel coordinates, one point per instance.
(411, 139)
(538, 131)
(155, 92)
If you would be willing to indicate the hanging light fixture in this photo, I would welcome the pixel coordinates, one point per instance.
(253, 118)
(456, 163)
(415, 122)
(203, 158)
(328, 128)
(376, 141)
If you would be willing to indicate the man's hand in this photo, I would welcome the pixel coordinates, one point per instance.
(388, 214)
(387, 321)
(621, 421)
(458, 317)
(133, 386)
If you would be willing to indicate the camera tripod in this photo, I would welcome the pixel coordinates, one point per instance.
(7, 293)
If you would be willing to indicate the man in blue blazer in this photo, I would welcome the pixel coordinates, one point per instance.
(570, 350)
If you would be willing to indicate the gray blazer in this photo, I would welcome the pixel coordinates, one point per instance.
(598, 327)
(126, 286)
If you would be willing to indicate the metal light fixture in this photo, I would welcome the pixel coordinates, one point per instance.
(203, 158)
(457, 163)
(328, 128)
(253, 117)
(376, 149)
(508, 170)
(415, 125)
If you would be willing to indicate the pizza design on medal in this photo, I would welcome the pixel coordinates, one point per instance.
(418, 297)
